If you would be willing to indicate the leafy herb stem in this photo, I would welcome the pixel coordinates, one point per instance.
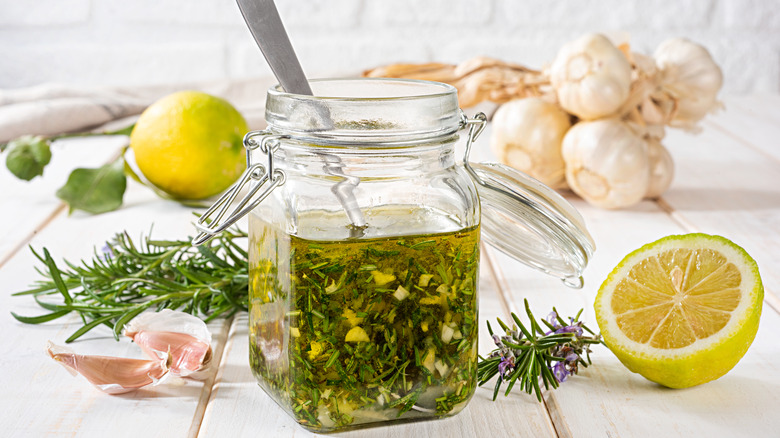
(530, 354)
(125, 278)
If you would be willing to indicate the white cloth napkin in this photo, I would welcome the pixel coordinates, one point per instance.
(51, 109)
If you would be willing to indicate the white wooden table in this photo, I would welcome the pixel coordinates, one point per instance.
(727, 182)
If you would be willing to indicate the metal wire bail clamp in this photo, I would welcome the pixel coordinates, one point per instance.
(256, 175)
(476, 126)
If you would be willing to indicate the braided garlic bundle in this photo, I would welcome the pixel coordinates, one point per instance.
(592, 121)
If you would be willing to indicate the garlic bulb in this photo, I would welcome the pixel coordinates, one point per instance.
(691, 76)
(591, 77)
(527, 135)
(661, 169)
(606, 163)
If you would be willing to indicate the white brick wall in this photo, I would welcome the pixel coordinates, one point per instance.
(133, 42)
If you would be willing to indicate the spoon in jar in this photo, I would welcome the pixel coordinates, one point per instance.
(266, 26)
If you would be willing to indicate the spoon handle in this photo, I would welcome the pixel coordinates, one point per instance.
(266, 26)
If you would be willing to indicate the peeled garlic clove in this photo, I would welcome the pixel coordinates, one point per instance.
(527, 135)
(180, 335)
(591, 77)
(661, 169)
(691, 76)
(112, 375)
(606, 163)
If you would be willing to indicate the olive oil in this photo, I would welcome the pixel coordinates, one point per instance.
(353, 331)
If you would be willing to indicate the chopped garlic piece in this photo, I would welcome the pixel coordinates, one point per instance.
(294, 332)
(315, 350)
(356, 334)
(446, 333)
(442, 368)
(381, 278)
(428, 360)
(401, 293)
(332, 288)
(425, 280)
(430, 300)
(352, 317)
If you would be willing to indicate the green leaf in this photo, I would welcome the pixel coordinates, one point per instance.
(27, 156)
(95, 190)
(127, 130)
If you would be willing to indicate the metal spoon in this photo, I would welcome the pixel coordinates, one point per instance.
(266, 26)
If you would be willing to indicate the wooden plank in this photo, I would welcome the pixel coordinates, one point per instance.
(723, 187)
(608, 400)
(236, 396)
(41, 399)
(755, 128)
(28, 205)
(762, 106)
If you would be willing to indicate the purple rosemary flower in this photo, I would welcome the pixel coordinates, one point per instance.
(574, 327)
(552, 318)
(506, 362)
(560, 371)
(108, 251)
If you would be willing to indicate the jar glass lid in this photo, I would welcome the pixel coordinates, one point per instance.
(365, 112)
(531, 222)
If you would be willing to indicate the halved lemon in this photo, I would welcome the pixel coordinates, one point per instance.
(683, 310)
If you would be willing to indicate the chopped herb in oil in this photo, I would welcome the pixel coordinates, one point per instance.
(353, 331)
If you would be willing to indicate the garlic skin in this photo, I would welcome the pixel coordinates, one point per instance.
(691, 76)
(591, 77)
(180, 335)
(607, 163)
(661, 168)
(112, 375)
(527, 135)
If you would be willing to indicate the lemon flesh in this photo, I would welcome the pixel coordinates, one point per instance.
(683, 310)
(190, 144)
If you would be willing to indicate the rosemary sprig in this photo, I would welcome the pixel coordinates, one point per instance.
(126, 278)
(529, 355)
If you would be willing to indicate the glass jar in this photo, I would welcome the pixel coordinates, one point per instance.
(364, 249)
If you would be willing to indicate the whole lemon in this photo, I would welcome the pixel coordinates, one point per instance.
(189, 144)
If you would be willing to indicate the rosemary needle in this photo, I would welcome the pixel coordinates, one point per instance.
(125, 278)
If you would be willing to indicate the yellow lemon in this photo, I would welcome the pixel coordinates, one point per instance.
(683, 310)
(189, 144)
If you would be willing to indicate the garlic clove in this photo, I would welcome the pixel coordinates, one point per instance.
(527, 135)
(188, 354)
(661, 169)
(691, 76)
(112, 375)
(607, 163)
(184, 337)
(591, 77)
